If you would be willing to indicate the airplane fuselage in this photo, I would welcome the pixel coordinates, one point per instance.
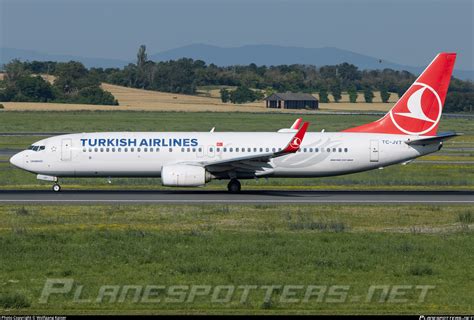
(143, 154)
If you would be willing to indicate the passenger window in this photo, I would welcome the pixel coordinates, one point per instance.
(333, 149)
(210, 149)
(328, 149)
(231, 149)
(138, 149)
(316, 149)
(261, 149)
(132, 149)
(119, 149)
(267, 149)
(125, 150)
(225, 149)
(107, 149)
(254, 149)
(199, 149)
(237, 149)
(273, 149)
(146, 149)
(218, 149)
(151, 149)
(101, 149)
(84, 150)
(182, 149)
(304, 150)
(345, 149)
(171, 150)
(340, 150)
(42, 147)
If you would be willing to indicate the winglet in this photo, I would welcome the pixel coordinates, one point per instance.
(295, 142)
(296, 124)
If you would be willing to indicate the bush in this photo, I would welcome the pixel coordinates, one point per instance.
(95, 95)
(244, 94)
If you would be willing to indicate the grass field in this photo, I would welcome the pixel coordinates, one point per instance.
(147, 100)
(352, 247)
(436, 176)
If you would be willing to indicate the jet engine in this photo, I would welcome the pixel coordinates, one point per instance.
(182, 175)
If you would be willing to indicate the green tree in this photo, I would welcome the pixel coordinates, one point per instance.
(15, 70)
(33, 89)
(352, 94)
(384, 94)
(70, 77)
(336, 92)
(368, 95)
(225, 95)
(142, 59)
(323, 95)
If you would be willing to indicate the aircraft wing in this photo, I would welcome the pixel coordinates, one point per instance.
(255, 162)
(439, 138)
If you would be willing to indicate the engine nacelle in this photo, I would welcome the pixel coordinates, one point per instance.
(181, 175)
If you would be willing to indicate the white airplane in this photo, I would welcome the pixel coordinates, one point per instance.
(191, 159)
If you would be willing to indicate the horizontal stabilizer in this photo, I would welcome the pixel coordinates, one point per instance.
(440, 137)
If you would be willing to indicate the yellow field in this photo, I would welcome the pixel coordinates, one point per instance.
(206, 100)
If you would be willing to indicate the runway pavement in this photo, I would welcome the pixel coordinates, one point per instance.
(223, 197)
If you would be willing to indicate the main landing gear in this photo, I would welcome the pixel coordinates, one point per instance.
(56, 187)
(234, 186)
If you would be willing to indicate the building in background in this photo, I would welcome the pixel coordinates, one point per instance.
(290, 100)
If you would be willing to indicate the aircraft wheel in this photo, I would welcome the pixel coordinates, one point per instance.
(56, 187)
(234, 186)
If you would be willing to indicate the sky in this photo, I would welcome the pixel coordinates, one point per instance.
(400, 31)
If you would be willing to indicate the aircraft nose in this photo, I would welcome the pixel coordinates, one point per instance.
(17, 160)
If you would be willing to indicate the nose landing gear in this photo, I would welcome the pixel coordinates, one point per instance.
(56, 187)
(234, 186)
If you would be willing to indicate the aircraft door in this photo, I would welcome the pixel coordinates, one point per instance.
(374, 151)
(66, 150)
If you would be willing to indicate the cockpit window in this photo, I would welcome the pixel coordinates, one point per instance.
(36, 148)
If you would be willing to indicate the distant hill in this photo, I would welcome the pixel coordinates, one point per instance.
(277, 55)
(258, 54)
(8, 54)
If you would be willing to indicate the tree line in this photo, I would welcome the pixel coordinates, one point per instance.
(252, 82)
(73, 83)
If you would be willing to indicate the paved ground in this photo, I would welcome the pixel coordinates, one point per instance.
(222, 197)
